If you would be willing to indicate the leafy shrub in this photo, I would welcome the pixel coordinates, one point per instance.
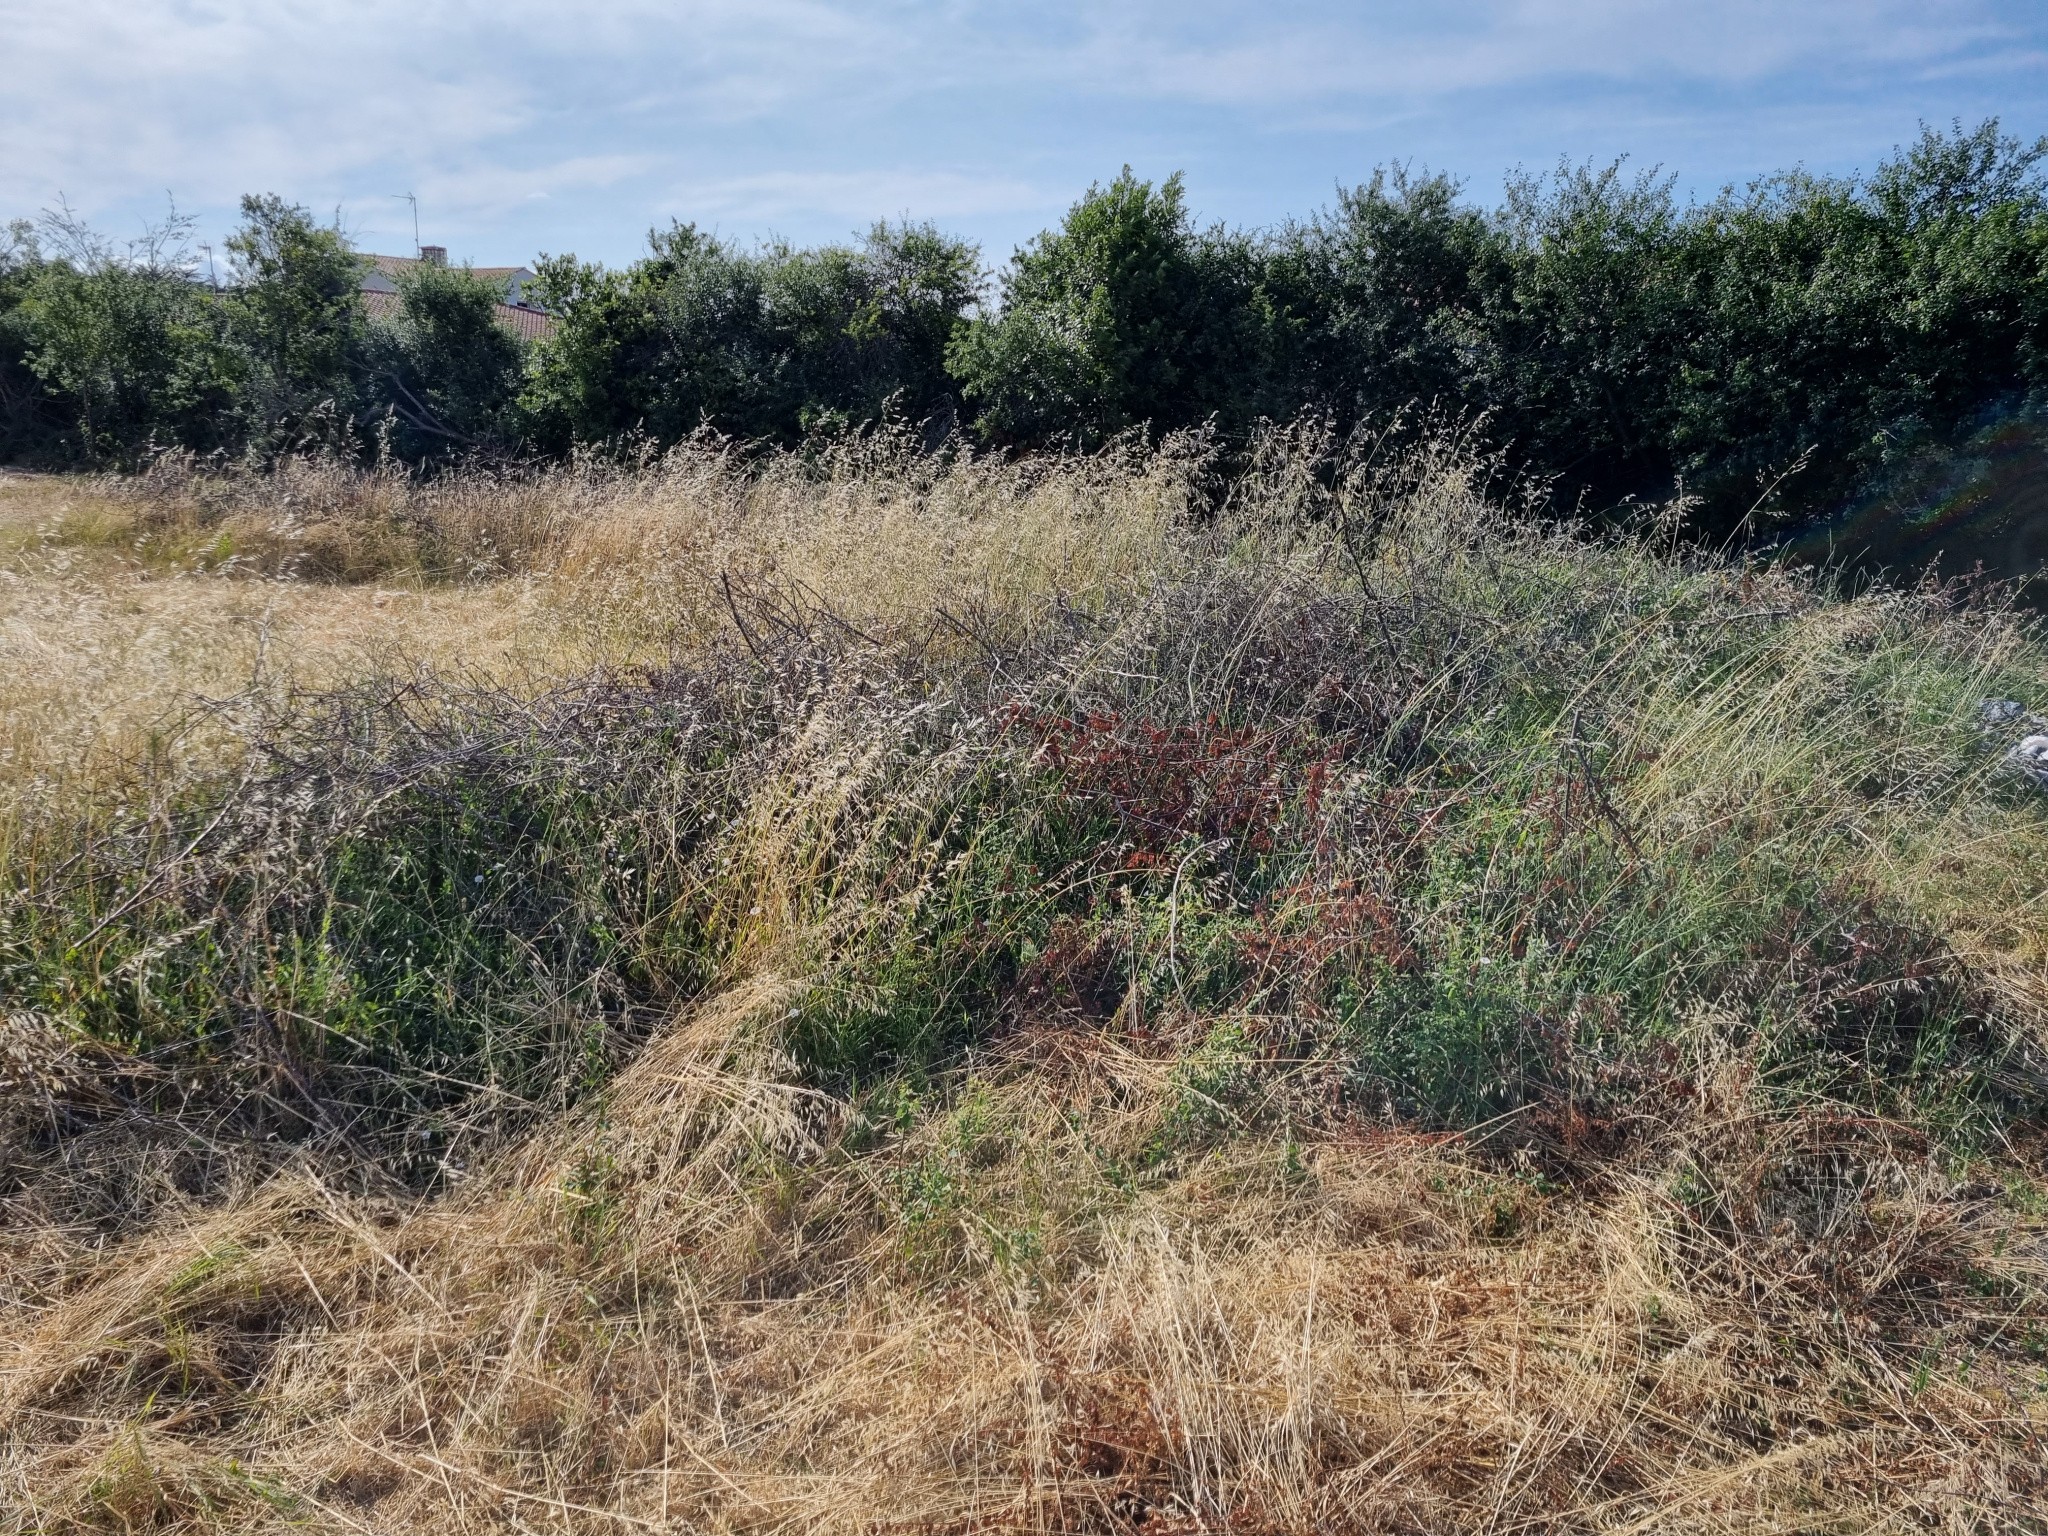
(128, 346)
(1124, 316)
(296, 312)
(765, 345)
(444, 368)
(1775, 351)
(29, 422)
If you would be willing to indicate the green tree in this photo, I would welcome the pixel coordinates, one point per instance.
(1124, 316)
(862, 331)
(30, 426)
(296, 311)
(443, 368)
(1378, 303)
(1580, 320)
(127, 344)
(1852, 326)
(670, 343)
(765, 345)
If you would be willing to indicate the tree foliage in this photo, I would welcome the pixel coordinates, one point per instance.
(766, 345)
(1594, 329)
(29, 419)
(444, 372)
(128, 348)
(1124, 316)
(296, 310)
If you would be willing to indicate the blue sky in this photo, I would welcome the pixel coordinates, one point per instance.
(525, 127)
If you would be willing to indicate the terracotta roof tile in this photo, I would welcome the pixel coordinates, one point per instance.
(391, 266)
(531, 323)
(522, 320)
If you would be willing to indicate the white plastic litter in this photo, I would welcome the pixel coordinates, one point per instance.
(2000, 719)
(2030, 757)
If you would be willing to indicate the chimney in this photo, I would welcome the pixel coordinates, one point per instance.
(434, 255)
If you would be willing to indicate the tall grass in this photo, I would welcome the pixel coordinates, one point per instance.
(957, 995)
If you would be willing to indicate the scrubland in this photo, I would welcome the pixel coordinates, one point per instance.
(877, 992)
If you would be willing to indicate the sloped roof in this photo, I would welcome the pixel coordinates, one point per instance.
(391, 266)
(531, 323)
(380, 274)
(521, 319)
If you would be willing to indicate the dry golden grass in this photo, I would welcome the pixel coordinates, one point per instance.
(104, 648)
(723, 1298)
(123, 603)
(690, 1317)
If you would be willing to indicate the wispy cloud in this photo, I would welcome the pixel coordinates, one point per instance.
(1300, 55)
(521, 123)
(859, 197)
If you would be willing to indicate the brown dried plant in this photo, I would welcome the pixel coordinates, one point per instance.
(992, 957)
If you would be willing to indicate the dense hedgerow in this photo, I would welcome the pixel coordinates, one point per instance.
(1776, 350)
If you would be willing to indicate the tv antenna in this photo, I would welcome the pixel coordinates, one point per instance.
(407, 197)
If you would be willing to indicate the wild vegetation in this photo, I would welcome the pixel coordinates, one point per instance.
(1775, 351)
(882, 989)
(1163, 892)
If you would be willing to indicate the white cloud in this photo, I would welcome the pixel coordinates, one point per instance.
(859, 197)
(766, 112)
(1304, 57)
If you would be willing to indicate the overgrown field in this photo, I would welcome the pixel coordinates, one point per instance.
(870, 992)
